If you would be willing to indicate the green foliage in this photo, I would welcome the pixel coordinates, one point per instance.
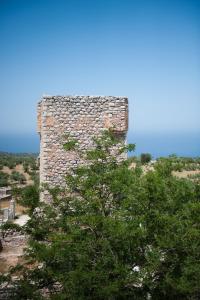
(115, 233)
(35, 177)
(3, 179)
(12, 159)
(195, 177)
(145, 158)
(70, 144)
(26, 167)
(9, 226)
(29, 197)
(16, 176)
(184, 163)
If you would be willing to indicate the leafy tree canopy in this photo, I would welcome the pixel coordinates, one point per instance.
(145, 158)
(16, 176)
(114, 233)
(3, 179)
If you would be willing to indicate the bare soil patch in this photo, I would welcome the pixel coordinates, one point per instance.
(185, 174)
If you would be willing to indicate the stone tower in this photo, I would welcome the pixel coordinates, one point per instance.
(80, 116)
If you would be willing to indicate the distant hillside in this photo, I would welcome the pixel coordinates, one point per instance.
(11, 160)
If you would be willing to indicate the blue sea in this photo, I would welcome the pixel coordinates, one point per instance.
(166, 143)
(158, 144)
(20, 143)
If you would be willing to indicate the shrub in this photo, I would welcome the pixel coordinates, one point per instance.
(16, 176)
(145, 158)
(3, 179)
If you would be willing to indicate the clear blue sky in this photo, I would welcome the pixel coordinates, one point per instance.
(147, 50)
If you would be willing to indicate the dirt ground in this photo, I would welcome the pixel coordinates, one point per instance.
(185, 174)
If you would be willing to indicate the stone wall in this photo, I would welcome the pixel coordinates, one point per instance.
(80, 116)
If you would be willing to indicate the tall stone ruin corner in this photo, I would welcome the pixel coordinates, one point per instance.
(83, 117)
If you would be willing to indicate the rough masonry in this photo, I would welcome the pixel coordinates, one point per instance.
(82, 117)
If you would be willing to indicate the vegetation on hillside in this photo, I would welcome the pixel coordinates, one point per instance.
(3, 179)
(12, 174)
(184, 163)
(115, 232)
(145, 158)
(10, 160)
(16, 176)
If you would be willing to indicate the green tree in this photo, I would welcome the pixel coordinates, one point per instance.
(26, 167)
(145, 158)
(16, 176)
(28, 196)
(114, 233)
(3, 179)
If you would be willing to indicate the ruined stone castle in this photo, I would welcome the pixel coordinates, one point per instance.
(82, 117)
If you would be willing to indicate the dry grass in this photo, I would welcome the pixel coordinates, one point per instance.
(185, 174)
